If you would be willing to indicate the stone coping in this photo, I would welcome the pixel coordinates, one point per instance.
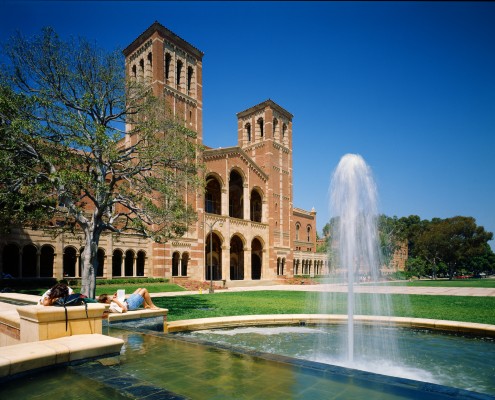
(10, 318)
(28, 298)
(137, 314)
(25, 357)
(41, 313)
(314, 319)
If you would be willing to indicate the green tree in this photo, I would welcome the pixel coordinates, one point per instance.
(453, 241)
(82, 146)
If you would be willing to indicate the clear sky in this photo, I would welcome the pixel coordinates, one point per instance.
(410, 86)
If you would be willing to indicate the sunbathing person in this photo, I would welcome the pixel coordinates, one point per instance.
(54, 293)
(140, 297)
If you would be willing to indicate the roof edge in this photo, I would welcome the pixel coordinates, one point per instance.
(166, 33)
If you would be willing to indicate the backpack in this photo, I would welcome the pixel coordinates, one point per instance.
(75, 299)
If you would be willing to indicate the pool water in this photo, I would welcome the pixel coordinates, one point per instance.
(446, 359)
(154, 365)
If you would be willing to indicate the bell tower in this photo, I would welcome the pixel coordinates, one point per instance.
(265, 134)
(173, 68)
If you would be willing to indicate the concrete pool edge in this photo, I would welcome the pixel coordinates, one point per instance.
(316, 319)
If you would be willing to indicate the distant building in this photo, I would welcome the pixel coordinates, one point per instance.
(247, 227)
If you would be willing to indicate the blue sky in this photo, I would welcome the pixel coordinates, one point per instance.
(410, 86)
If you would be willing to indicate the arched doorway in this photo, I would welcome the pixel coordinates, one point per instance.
(46, 261)
(101, 262)
(256, 259)
(29, 261)
(117, 263)
(129, 263)
(70, 260)
(140, 262)
(236, 259)
(10, 260)
(213, 257)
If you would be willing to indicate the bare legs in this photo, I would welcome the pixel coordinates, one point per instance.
(148, 303)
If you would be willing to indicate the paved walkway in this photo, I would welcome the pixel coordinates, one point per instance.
(435, 291)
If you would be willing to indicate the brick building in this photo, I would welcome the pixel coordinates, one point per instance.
(247, 226)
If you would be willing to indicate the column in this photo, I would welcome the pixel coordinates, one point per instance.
(224, 208)
(226, 263)
(247, 264)
(247, 201)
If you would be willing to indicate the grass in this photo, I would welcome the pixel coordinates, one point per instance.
(476, 283)
(129, 288)
(455, 308)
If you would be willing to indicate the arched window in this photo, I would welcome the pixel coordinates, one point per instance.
(184, 263)
(255, 206)
(134, 72)
(297, 231)
(261, 126)
(189, 79)
(275, 127)
(248, 131)
(141, 70)
(149, 67)
(308, 229)
(284, 130)
(236, 201)
(213, 196)
(168, 60)
(179, 72)
(175, 263)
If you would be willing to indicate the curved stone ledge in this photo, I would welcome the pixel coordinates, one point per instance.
(25, 357)
(315, 319)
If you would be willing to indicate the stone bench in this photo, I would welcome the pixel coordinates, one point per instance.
(24, 357)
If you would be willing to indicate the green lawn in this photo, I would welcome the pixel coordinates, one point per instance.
(456, 308)
(110, 289)
(481, 283)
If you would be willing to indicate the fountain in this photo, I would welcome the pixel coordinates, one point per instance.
(356, 255)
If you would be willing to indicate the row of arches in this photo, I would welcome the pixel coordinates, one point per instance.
(310, 267)
(279, 132)
(213, 197)
(30, 261)
(237, 268)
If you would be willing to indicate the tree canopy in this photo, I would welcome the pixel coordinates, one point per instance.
(89, 150)
(438, 247)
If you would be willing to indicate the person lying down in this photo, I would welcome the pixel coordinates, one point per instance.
(140, 297)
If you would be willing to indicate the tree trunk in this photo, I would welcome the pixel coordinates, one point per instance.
(89, 261)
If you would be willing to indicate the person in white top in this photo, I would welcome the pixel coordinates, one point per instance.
(59, 290)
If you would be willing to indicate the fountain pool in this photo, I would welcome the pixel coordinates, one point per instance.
(155, 365)
(465, 362)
